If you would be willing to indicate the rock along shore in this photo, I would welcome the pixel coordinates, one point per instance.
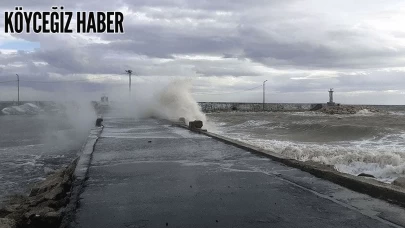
(347, 109)
(44, 206)
(51, 202)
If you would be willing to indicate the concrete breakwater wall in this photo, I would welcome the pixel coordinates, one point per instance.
(253, 107)
(226, 106)
(389, 108)
(393, 193)
(279, 107)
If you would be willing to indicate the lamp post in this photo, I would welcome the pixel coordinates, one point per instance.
(129, 72)
(18, 89)
(264, 93)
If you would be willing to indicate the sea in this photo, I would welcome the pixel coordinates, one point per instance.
(371, 143)
(32, 146)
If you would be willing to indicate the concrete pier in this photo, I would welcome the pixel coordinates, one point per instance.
(147, 173)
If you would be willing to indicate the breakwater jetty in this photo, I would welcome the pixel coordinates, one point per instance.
(253, 107)
(154, 173)
(150, 173)
(208, 107)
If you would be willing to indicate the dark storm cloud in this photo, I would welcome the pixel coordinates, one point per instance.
(165, 45)
(223, 71)
(254, 38)
(351, 53)
(74, 60)
(46, 5)
(234, 5)
(240, 39)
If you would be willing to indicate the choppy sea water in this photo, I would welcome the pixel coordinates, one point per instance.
(361, 143)
(32, 146)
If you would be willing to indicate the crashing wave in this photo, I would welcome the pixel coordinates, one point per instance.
(364, 112)
(385, 162)
(170, 101)
(25, 109)
(176, 101)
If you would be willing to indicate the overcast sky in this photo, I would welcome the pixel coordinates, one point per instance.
(302, 47)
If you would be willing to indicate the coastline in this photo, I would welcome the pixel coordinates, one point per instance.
(52, 201)
(388, 192)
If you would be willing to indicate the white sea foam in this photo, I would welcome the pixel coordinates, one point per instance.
(364, 112)
(311, 113)
(397, 113)
(170, 101)
(387, 173)
(25, 109)
(384, 160)
(252, 123)
(175, 101)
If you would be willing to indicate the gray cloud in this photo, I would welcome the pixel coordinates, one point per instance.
(283, 41)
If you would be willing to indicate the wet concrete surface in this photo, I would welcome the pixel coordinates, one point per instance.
(146, 173)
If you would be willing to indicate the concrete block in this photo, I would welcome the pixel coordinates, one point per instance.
(400, 181)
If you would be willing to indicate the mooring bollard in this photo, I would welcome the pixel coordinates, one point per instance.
(99, 122)
(182, 120)
(196, 124)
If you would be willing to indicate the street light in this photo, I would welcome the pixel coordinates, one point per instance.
(129, 72)
(264, 93)
(18, 86)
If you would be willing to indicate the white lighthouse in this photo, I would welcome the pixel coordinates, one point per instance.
(331, 103)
